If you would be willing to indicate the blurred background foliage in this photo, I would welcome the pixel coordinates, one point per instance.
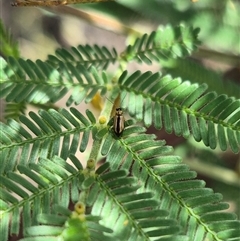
(39, 31)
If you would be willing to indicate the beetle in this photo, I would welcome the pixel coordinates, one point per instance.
(118, 120)
(118, 124)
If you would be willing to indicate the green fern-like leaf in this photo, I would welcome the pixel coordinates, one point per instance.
(137, 210)
(39, 82)
(182, 108)
(42, 136)
(10, 48)
(19, 191)
(14, 110)
(196, 73)
(143, 191)
(201, 211)
(63, 224)
(168, 42)
(129, 213)
(87, 55)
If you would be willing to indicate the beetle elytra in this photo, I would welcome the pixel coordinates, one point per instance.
(118, 124)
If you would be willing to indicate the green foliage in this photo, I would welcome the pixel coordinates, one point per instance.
(85, 56)
(182, 108)
(8, 46)
(219, 19)
(143, 191)
(167, 43)
(193, 71)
